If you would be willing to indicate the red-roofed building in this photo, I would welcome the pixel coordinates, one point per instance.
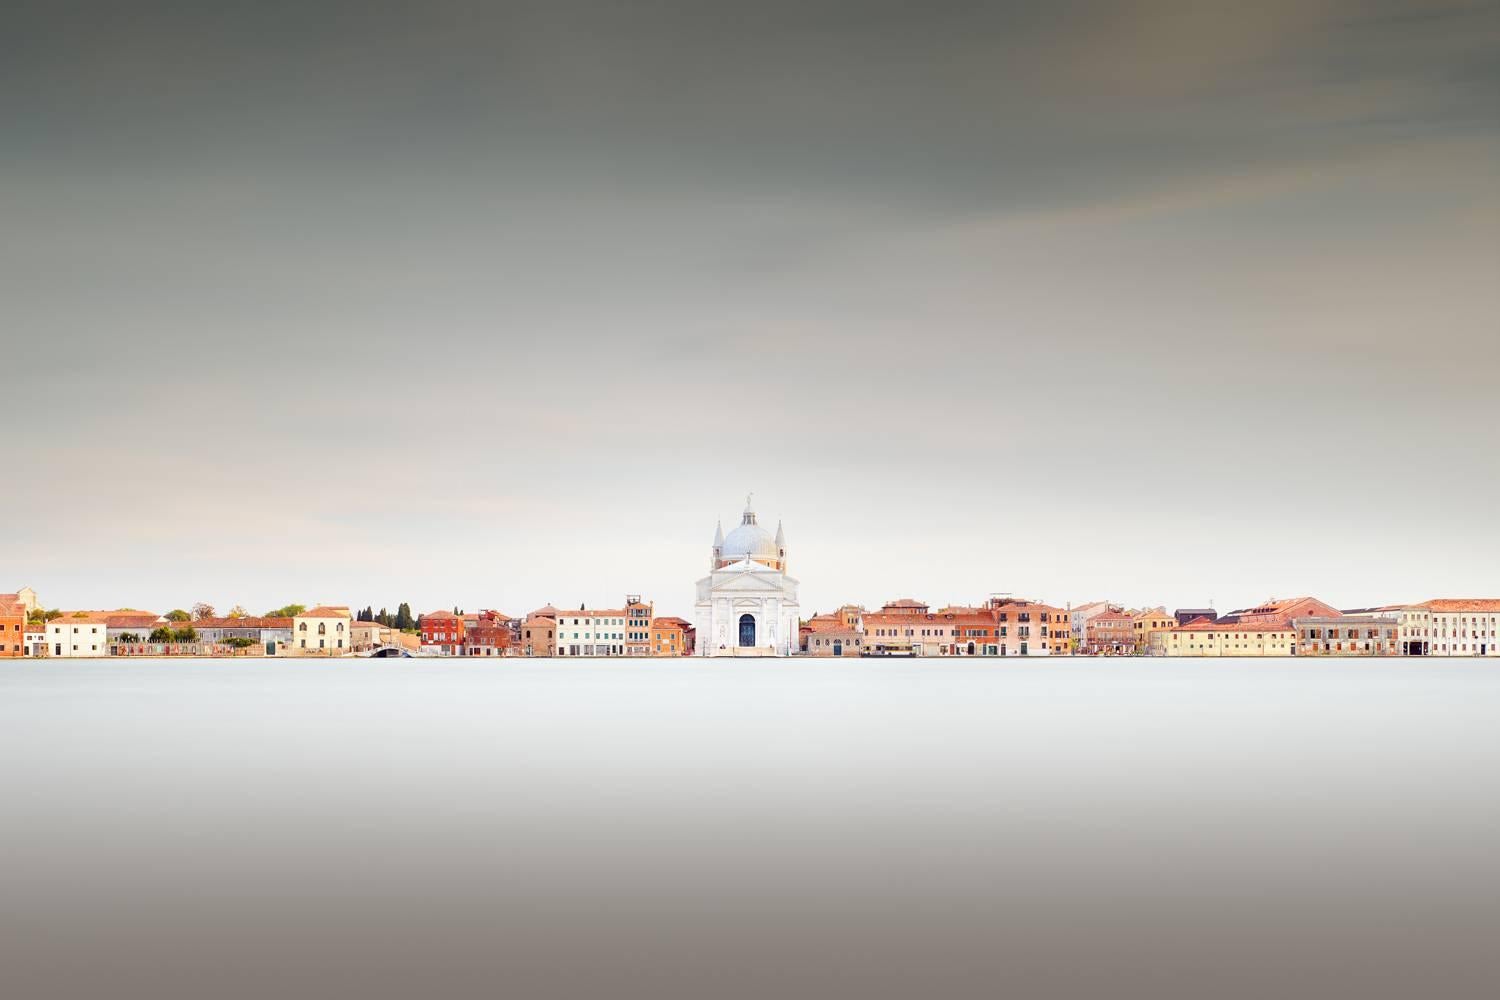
(1449, 626)
(442, 633)
(638, 626)
(78, 634)
(490, 634)
(1278, 612)
(539, 634)
(322, 631)
(12, 626)
(1030, 628)
(1110, 633)
(1203, 637)
(839, 633)
(671, 636)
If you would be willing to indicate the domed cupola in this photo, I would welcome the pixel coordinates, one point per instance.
(750, 541)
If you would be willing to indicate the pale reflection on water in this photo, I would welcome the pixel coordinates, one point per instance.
(907, 829)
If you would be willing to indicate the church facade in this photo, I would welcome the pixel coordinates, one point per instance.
(747, 605)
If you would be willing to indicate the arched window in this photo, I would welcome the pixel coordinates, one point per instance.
(322, 628)
(747, 630)
(302, 626)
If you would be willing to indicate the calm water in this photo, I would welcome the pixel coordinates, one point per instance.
(1051, 828)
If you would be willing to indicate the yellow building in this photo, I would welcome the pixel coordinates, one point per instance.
(1206, 638)
(1151, 627)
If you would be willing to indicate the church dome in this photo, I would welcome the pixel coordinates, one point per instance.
(748, 541)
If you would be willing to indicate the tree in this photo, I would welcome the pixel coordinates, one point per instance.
(404, 620)
(240, 642)
(384, 618)
(287, 611)
(161, 634)
(202, 610)
(185, 634)
(238, 611)
(129, 637)
(178, 615)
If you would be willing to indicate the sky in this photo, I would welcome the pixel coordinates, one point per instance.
(505, 304)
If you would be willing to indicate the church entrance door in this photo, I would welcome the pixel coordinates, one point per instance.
(747, 630)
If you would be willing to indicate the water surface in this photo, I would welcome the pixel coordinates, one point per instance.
(1046, 828)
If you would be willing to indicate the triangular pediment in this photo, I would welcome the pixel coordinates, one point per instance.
(750, 582)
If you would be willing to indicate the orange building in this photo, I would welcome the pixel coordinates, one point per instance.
(12, 626)
(1110, 633)
(639, 627)
(671, 637)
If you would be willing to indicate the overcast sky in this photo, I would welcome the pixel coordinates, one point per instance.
(504, 304)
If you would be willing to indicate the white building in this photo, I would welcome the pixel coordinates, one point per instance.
(747, 605)
(1448, 627)
(591, 632)
(322, 631)
(1079, 617)
(72, 635)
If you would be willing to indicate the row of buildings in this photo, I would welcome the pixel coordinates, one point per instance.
(324, 630)
(630, 630)
(328, 630)
(747, 605)
(1300, 626)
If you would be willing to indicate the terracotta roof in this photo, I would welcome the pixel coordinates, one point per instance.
(132, 619)
(1279, 611)
(439, 616)
(81, 618)
(1204, 625)
(326, 611)
(248, 621)
(1449, 605)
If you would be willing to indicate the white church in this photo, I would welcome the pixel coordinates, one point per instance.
(747, 605)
